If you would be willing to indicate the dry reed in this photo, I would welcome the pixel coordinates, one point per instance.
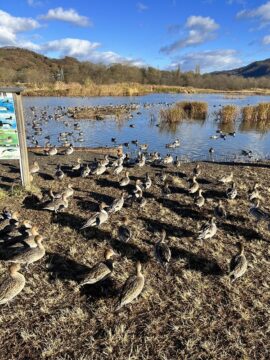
(195, 110)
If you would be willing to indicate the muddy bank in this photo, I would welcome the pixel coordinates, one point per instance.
(192, 311)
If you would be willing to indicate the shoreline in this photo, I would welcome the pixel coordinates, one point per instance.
(60, 89)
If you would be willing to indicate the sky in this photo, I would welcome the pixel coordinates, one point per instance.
(215, 34)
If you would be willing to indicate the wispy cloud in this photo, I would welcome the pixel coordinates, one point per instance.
(223, 59)
(262, 13)
(266, 40)
(69, 15)
(239, 2)
(199, 30)
(141, 7)
(34, 3)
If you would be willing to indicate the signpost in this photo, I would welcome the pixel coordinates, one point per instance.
(12, 131)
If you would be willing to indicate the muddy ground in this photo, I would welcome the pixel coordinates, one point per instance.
(191, 312)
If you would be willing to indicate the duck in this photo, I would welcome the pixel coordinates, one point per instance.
(211, 151)
(142, 161)
(138, 190)
(5, 215)
(57, 204)
(166, 191)
(69, 150)
(105, 161)
(132, 288)
(77, 166)
(12, 284)
(85, 171)
(124, 232)
(117, 204)
(98, 218)
(30, 255)
(100, 271)
(254, 193)
(162, 251)
(59, 173)
(148, 181)
(257, 213)
(143, 147)
(101, 169)
(199, 200)
(226, 178)
(125, 181)
(34, 169)
(194, 186)
(119, 167)
(51, 152)
(208, 230)
(231, 192)
(197, 171)
(220, 211)
(168, 159)
(177, 162)
(238, 264)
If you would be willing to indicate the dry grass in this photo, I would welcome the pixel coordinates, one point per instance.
(256, 113)
(194, 110)
(191, 312)
(228, 114)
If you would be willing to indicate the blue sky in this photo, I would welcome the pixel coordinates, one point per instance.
(217, 34)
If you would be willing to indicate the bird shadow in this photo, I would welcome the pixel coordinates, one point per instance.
(129, 250)
(45, 176)
(86, 204)
(215, 194)
(197, 262)
(32, 202)
(107, 183)
(103, 289)
(248, 233)
(70, 220)
(101, 197)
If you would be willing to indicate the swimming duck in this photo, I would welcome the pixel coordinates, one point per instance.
(11, 285)
(124, 232)
(100, 271)
(125, 181)
(162, 251)
(34, 169)
(98, 218)
(208, 230)
(117, 204)
(220, 211)
(57, 204)
(199, 200)
(30, 255)
(132, 288)
(143, 147)
(231, 192)
(211, 151)
(59, 173)
(238, 264)
(226, 179)
(257, 213)
(194, 186)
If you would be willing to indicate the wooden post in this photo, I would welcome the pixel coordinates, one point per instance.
(24, 165)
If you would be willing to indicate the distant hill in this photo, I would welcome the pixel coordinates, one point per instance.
(254, 70)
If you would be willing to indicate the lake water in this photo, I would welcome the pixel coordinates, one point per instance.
(194, 135)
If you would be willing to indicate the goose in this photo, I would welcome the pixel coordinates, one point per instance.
(226, 179)
(199, 200)
(124, 232)
(57, 204)
(125, 181)
(117, 204)
(30, 255)
(34, 169)
(69, 150)
(132, 288)
(11, 285)
(100, 271)
(220, 211)
(98, 218)
(257, 213)
(59, 173)
(231, 192)
(238, 264)
(208, 230)
(162, 251)
(194, 187)
(148, 181)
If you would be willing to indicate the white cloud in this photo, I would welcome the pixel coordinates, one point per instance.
(210, 60)
(141, 7)
(11, 26)
(262, 13)
(199, 30)
(69, 15)
(87, 51)
(34, 3)
(266, 40)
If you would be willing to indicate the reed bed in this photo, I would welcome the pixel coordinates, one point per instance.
(228, 114)
(256, 113)
(195, 110)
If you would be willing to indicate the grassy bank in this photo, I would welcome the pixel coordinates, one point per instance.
(124, 89)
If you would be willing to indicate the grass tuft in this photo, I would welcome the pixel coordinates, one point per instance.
(194, 110)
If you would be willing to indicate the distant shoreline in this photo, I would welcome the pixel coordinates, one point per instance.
(125, 89)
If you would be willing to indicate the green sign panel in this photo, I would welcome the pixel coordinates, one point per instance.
(9, 142)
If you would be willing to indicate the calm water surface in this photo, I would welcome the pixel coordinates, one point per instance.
(194, 135)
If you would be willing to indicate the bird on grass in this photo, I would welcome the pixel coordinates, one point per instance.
(11, 285)
(98, 218)
(132, 288)
(194, 186)
(100, 271)
(238, 264)
(162, 251)
(226, 179)
(34, 169)
(199, 200)
(125, 181)
(208, 230)
(124, 232)
(220, 211)
(117, 204)
(57, 204)
(258, 213)
(59, 173)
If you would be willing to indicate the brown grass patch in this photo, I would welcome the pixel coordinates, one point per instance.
(195, 110)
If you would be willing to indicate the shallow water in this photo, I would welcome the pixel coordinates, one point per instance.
(194, 135)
